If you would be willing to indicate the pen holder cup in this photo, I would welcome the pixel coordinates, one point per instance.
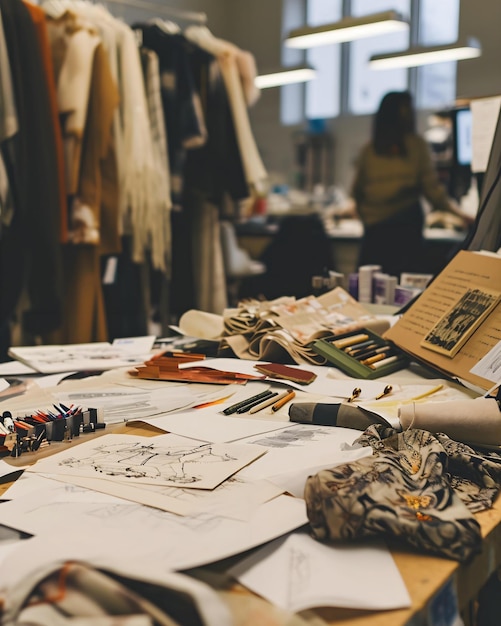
(351, 364)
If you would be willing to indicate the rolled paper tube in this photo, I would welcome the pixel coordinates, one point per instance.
(471, 421)
(340, 414)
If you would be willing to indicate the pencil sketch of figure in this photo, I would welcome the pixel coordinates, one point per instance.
(453, 330)
(139, 460)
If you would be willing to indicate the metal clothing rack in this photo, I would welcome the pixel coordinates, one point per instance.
(172, 12)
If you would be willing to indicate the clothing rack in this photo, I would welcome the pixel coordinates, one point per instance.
(180, 14)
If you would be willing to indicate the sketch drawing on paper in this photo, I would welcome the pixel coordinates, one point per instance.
(140, 460)
(134, 460)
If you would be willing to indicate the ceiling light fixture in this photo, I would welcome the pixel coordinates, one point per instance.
(347, 29)
(285, 76)
(413, 57)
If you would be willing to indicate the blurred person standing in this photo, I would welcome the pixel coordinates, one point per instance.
(394, 171)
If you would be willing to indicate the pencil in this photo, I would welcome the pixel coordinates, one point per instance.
(427, 393)
(269, 401)
(278, 405)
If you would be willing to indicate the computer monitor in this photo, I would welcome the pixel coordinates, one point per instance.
(463, 137)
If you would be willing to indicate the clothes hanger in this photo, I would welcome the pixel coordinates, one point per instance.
(168, 26)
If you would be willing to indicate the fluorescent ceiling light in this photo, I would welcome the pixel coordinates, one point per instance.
(425, 55)
(347, 29)
(285, 76)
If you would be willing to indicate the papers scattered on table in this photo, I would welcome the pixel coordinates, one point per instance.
(298, 573)
(84, 356)
(323, 385)
(165, 460)
(121, 533)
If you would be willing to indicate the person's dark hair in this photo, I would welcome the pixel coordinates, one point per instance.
(394, 120)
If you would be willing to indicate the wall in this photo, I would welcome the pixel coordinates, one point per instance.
(482, 76)
(256, 26)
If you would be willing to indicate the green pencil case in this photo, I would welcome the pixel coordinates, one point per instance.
(352, 366)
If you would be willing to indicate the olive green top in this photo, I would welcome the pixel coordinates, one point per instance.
(386, 186)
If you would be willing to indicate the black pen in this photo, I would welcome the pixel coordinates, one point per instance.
(234, 407)
(247, 407)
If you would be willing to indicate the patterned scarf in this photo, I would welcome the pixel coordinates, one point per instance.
(417, 487)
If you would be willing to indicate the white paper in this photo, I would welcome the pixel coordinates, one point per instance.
(121, 403)
(3, 384)
(15, 368)
(388, 406)
(324, 385)
(165, 460)
(131, 533)
(210, 426)
(54, 490)
(135, 345)
(298, 573)
(6, 469)
(485, 112)
(235, 498)
(300, 449)
(52, 380)
(489, 366)
(85, 356)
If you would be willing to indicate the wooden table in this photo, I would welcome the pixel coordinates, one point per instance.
(425, 576)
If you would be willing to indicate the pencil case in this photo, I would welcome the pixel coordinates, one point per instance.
(358, 354)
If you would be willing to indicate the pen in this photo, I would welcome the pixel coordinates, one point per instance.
(280, 403)
(270, 400)
(247, 407)
(354, 394)
(385, 392)
(233, 408)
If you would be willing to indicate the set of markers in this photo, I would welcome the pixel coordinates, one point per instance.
(27, 433)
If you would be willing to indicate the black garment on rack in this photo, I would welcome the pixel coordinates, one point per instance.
(204, 157)
(216, 168)
(184, 125)
(29, 247)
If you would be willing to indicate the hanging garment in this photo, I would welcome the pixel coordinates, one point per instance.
(183, 114)
(38, 17)
(8, 114)
(226, 55)
(95, 213)
(417, 487)
(30, 250)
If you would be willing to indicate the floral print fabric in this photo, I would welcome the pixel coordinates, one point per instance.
(419, 487)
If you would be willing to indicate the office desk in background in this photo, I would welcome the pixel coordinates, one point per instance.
(345, 235)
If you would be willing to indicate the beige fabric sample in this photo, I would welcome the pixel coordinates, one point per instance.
(473, 421)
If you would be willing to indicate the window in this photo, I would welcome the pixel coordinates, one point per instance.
(292, 96)
(345, 84)
(438, 24)
(322, 93)
(367, 87)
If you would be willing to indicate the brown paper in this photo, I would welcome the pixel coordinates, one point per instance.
(466, 271)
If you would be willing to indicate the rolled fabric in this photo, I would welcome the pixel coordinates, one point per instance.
(342, 414)
(472, 421)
